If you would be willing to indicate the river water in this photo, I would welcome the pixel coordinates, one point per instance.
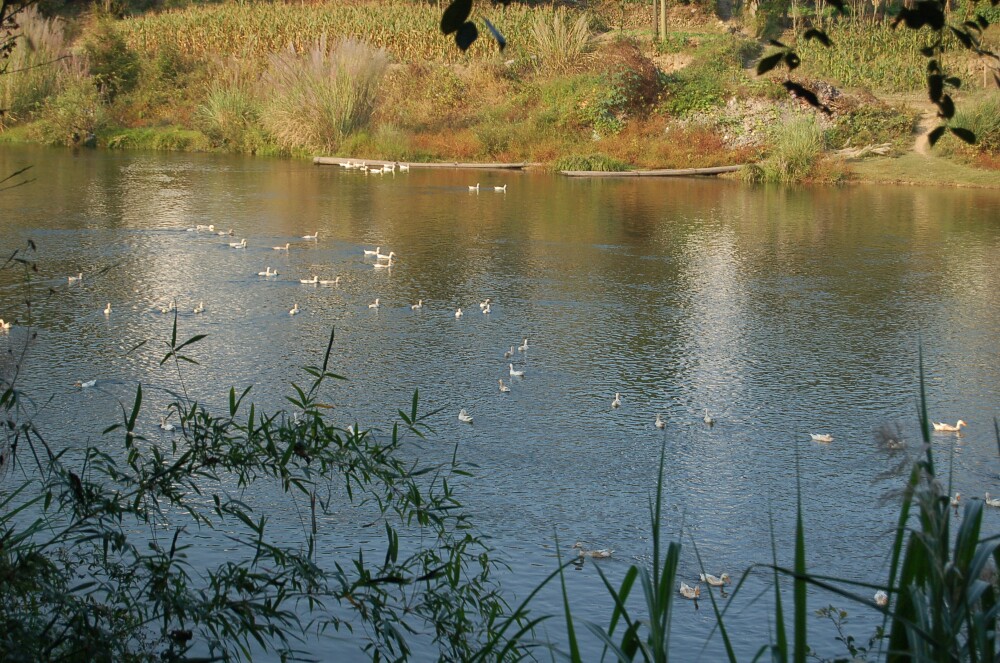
(783, 311)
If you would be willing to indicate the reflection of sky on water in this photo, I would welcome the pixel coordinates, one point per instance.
(782, 311)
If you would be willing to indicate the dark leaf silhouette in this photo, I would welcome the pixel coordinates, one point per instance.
(496, 34)
(792, 60)
(466, 35)
(806, 95)
(839, 5)
(953, 81)
(972, 25)
(933, 67)
(935, 86)
(964, 134)
(819, 36)
(981, 20)
(927, 51)
(923, 13)
(770, 62)
(996, 78)
(455, 16)
(967, 39)
(775, 42)
(946, 107)
(934, 135)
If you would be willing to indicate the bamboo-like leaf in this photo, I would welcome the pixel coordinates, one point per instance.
(819, 36)
(466, 35)
(964, 134)
(499, 38)
(455, 15)
(799, 591)
(935, 135)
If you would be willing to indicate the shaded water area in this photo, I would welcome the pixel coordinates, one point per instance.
(784, 312)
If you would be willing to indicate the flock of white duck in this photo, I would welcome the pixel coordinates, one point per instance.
(385, 261)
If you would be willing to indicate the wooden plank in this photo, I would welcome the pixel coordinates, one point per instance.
(336, 161)
(675, 172)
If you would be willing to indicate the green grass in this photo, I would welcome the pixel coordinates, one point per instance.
(914, 168)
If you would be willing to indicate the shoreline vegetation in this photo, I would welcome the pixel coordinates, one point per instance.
(576, 89)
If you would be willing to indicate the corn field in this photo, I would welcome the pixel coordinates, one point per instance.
(874, 56)
(407, 31)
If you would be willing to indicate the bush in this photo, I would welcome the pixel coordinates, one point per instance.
(317, 100)
(113, 65)
(982, 117)
(70, 117)
(871, 122)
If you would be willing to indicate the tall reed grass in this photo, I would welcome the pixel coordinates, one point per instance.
(560, 39)
(317, 99)
(798, 147)
(31, 73)
(230, 113)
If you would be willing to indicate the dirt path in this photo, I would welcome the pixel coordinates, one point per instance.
(921, 145)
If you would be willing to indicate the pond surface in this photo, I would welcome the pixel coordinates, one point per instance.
(783, 312)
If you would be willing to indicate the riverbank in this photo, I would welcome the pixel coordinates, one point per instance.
(575, 91)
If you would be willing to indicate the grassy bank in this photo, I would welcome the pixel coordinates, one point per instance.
(378, 80)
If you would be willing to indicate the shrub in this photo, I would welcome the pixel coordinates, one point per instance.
(70, 117)
(870, 122)
(560, 41)
(982, 117)
(113, 65)
(318, 99)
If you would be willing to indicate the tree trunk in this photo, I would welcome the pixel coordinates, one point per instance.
(663, 19)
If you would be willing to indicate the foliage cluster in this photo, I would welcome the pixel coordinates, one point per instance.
(96, 560)
(714, 76)
(32, 67)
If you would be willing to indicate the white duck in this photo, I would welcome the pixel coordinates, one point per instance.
(335, 281)
(172, 306)
(523, 347)
(294, 310)
(107, 309)
(282, 248)
(881, 599)
(689, 592)
(166, 426)
(464, 416)
(382, 258)
(821, 437)
(601, 553)
(486, 302)
(501, 188)
(715, 581)
(992, 501)
(948, 428)
(419, 305)
(458, 313)
(267, 272)
(660, 423)
(85, 385)
(4, 326)
(313, 281)
(383, 265)
(242, 244)
(315, 235)
(505, 389)
(617, 402)
(515, 374)
(374, 304)
(74, 279)
(223, 233)
(378, 249)
(487, 310)
(509, 353)
(708, 418)
(404, 167)
(200, 308)
(956, 500)
(474, 188)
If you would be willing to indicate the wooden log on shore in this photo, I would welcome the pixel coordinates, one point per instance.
(674, 172)
(336, 161)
